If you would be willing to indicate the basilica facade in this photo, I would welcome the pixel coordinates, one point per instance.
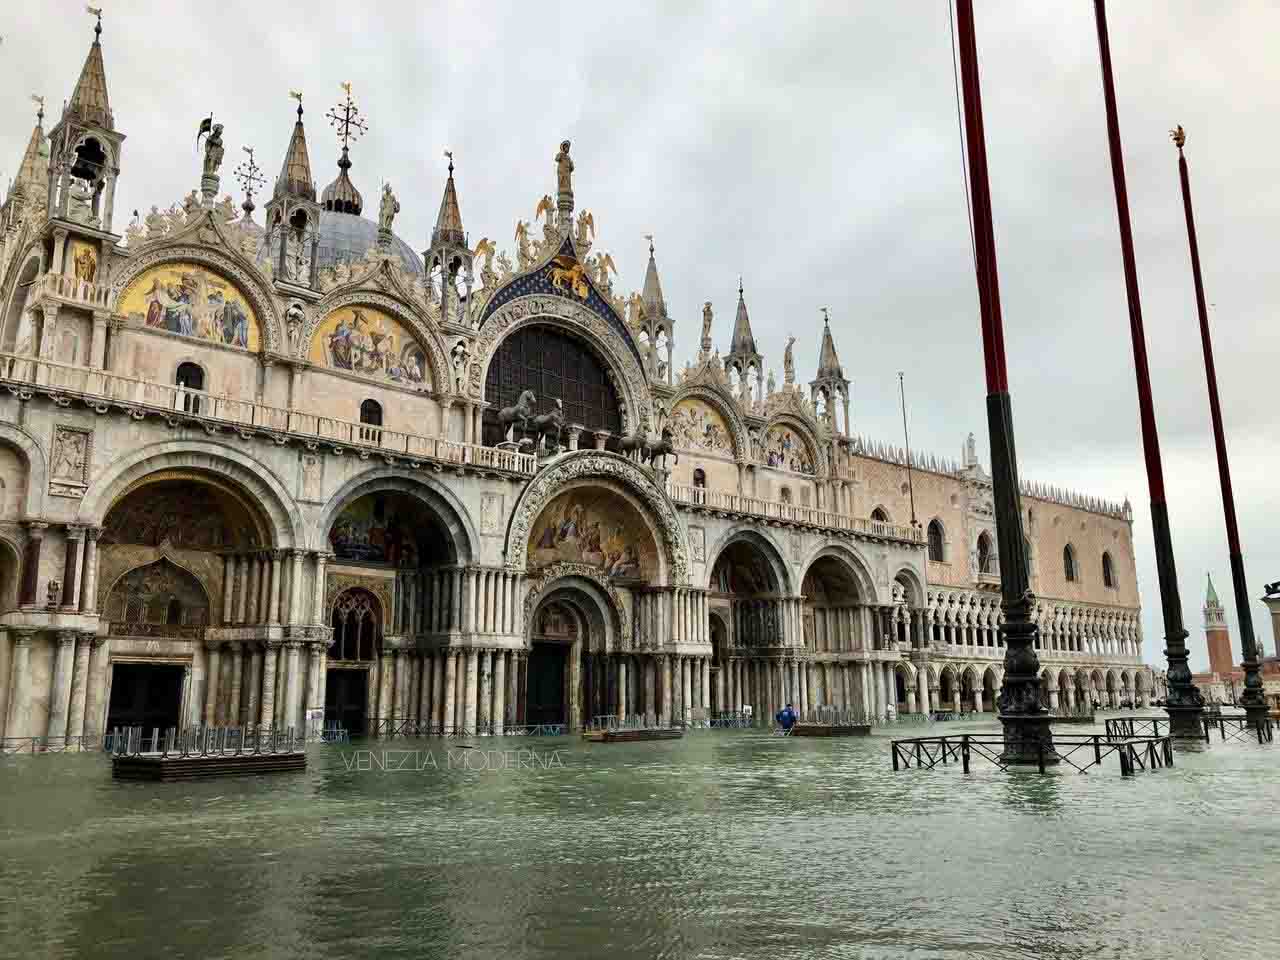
(280, 469)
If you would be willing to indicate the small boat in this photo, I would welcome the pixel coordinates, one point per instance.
(633, 735)
(831, 730)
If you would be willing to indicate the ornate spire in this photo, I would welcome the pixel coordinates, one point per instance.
(295, 175)
(1214, 615)
(448, 228)
(342, 195)
(654, 305)
(743, 342)
(33, 171)
(828, 362)
(89, 102)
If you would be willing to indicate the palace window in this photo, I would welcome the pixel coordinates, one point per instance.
(785, 494)
(700, 478)
(1069, 564)
(935, 541)
(191, 377)
(879, 516)
(1108, 573)
(371, 414)
(984, 553)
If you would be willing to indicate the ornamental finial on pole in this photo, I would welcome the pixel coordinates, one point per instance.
(1178, 136)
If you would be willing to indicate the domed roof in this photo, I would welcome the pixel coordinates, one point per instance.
(345, 237)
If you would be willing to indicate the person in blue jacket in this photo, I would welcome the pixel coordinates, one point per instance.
(786, 717)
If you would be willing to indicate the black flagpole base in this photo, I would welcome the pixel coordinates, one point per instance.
(1028, 740)
(1186, 727)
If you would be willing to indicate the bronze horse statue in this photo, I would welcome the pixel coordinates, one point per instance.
(633, 447)
(549, 425)
(663, 448)
(520, 413)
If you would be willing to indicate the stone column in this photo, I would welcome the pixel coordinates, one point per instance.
(455, 600)
(60, 692)
(398, 666)
(623, 706)
(270, 658)
(686, 687)
(94, 707)
(1053, 698)
(228, 587)
(295, 587)
(18, 723)
(211, 676)
(89, 582)
(437, 689)
(237, 676)
(426, 706)
(31, 563)
(319, 608)
(484, 715)
(450, 690)
(891, 691)
(470, 683)
(386, 677)
(922, 683)
(71, 567)
(273, 604)
(977, 698)
(292, 687)
(668, 708)
(240, 601)
(706, 685)
(79, 685)
(499, 692)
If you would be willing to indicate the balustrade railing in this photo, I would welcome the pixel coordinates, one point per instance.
(101, 386)
(93, 295)
(790, 512)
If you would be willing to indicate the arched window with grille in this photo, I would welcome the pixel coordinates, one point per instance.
(935, 541)
(190, 377)
(985, 558)
(371, 414)
(1108, 571)
(879, 515)
(700, 478)
(785, 494)
(1069, 569)
(356, 625)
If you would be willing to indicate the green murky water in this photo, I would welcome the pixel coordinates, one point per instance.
(726, 844)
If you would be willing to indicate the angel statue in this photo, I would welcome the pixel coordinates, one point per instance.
(486, 249)
(586, 222)
(545, 205)
(564, 169)
(789, 363)
(388, 209)
(524, 255)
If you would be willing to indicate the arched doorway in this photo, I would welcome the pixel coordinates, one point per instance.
(395, 595)
(747, 590)
(356, 619)
(990, 690)
(720, 664)
(556, 631)
(174, 547)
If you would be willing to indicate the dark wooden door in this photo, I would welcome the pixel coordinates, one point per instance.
(545, 698)
(145, 695)
(346, 696)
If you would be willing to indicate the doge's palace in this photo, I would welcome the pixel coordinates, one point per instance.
(275, 467)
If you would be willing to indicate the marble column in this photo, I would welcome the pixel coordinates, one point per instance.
(922, 685)
(18, 722)
(484, 716)
(499, 692)
(270, 660)
(426, 714)
(273, 604)
(292, 690)
(469, 691)
(212, 671)
(312, 698)
(437, 690)
(89, 582)
(94, 706)
(233, 694)
(623, 706)
(60, 692)
(386, 679)
(667, 710)
(79, 685)
(448, 721)
(71, 567)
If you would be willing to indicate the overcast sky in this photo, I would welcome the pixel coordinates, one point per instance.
(813, 149)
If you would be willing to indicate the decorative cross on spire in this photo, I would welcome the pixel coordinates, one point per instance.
(346, 120)
(250, 178)
(39, 102)
(825, 316)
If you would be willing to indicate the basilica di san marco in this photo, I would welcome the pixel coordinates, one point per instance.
(265, 464)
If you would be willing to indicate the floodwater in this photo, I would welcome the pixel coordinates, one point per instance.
(724, 844)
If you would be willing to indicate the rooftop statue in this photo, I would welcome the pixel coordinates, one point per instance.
(388, 209)
(789, 363)
(564, 169)
(213, 149)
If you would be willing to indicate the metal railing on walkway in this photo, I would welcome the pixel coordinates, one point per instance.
(204, 741)
(1135, 753)
(1230, 726)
